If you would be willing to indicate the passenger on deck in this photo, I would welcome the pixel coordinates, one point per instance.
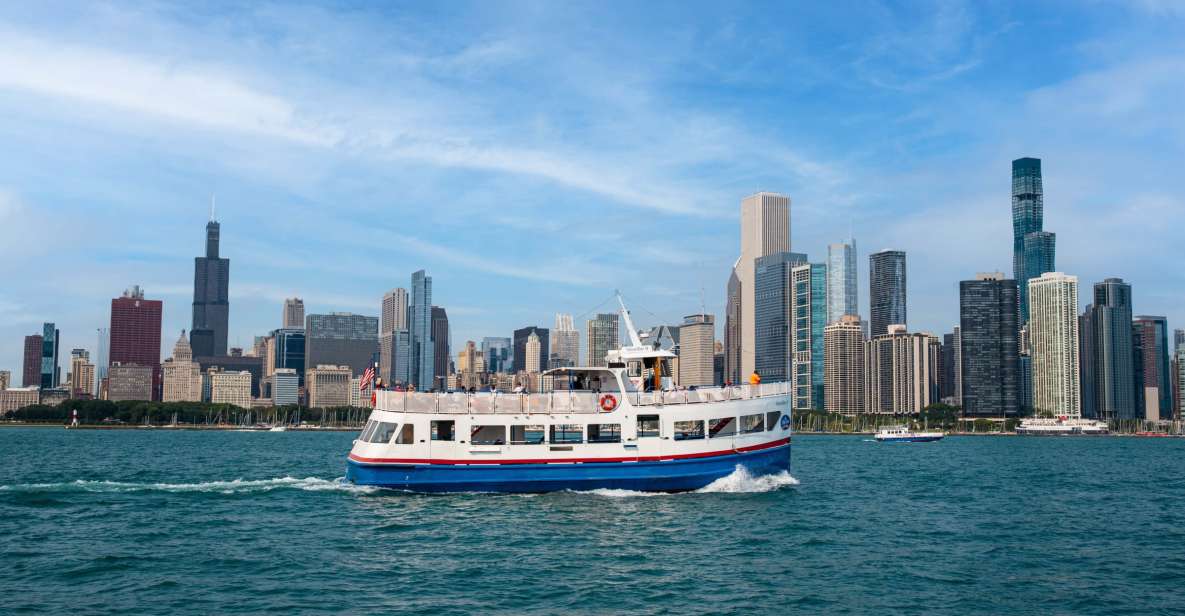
(579, 384)
(754, 379)
(595, 385)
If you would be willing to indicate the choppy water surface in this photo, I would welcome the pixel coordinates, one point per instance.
(236, 522)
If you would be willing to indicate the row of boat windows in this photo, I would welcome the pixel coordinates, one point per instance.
(568, 434)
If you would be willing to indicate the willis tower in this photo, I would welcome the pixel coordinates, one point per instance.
(211, 310)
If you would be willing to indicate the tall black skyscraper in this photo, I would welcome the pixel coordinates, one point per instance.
(1107, 353)
(990, 360)
(211, 308)
(886, 290)
(1032, 247)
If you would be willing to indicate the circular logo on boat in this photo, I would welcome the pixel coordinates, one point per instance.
(785, 421)
(608, 402)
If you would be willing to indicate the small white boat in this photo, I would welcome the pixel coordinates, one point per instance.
(278, 429)
(1062, 426)
(902, 434)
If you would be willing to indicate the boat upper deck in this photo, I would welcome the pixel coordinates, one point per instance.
(566, 401)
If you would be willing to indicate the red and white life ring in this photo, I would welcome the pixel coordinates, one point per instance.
(608, 402)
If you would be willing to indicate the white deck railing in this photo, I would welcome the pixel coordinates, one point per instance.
(489, 403)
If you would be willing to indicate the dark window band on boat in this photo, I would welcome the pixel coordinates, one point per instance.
(752, 423)
(648, 426)
(407, 435)
(488, 435)
(382, 433)
(444, 430)
(771, 420)
(689, 430)
(527, 435)
(723, 426)
(567, 433)
(604, 433)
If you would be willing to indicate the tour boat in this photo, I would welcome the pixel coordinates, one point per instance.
(902, 434)
(622, 426)
(1061, 426)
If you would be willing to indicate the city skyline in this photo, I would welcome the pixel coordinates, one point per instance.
(360, 246)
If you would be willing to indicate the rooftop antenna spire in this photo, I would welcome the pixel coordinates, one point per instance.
(213, 199)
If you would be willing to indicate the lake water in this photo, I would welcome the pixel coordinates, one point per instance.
(239, 522)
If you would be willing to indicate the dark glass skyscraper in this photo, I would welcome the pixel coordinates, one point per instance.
(440, 348)
(211, 305)
(988, 335)
(773, 309)
(886, 290)
(51, 372)
(1032, 247)
(290, 352)
(341, 339)
(520, 346)
(32, 364)
(422, 358)
(1105, 331)
(1153, 342)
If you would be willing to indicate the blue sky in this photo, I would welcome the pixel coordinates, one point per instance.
(535, 156)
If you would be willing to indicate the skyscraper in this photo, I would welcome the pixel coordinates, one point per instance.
(1107, 354)
(423, 364)
(497, 354)
(886, 290)
(103, 359)
(440, 347)
(773, 283)
(697, 350)
(1053, 333)
(135, 333)
(394, 311)
(1032, 247)
(82, 374)
(31, 374)
(732, 328)
(1158, 396)
(902, 372)
(182, 377)
(532, 354)
(211, 305)
(341, 339)
(765, 230)
(51, 371)
(842, 295)
(289, 350)
(1178, 339)
(565, 341)
(603, 335)
(293, 317)
(844, 368)
(989, 358)
(809, 284)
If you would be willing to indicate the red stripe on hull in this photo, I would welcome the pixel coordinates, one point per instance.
(772, 444)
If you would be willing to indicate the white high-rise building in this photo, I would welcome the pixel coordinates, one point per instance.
(1053, 338)
(394, 311)
(765, 229)
(844, 366)
(697, 350)
(534, 350)
(901, 372)
(842, 294)
(182, 376)
(230, 388)
(293, 317)
(565, 340)
(285, 386)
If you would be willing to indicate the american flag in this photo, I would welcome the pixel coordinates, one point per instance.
(367, 377)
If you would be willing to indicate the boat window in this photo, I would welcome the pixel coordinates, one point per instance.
(488, 435)
(407, 435)
(724, 426)
(689, 430)
(567, 433)
(382, 433)
(366, 431)
(771, 420)
(752, 423)
(444, 430)
(604, 433)
(526, 435)
(648, 426)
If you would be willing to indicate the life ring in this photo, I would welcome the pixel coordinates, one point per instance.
(608, 402)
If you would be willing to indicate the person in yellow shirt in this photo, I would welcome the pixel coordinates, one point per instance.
(754, 379)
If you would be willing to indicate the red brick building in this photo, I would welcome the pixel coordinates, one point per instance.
(135, 333)
(31, 377)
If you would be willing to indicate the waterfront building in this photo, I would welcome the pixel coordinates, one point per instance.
(233, 363)
(565, 341)
(1178, 339)
(886, 290)
(103, 359)
(603, 334)
(497, 353)
(732, 328)
(842, 295)
(5, 379)
(341, 339)
(809, 309)
(1032, 247)
(519, 340)
(844, 366)
(423, 364)
(328, 386)
(285, 387)
(182, 376)
(232, 388)
(950, 389)
(697, 350)
(765, 230)
(440, 347)
(1053, 337)
(1179, 371)
(470, 366)
(1107, 352)
(211, 304)
(1157, 397)
(773, 309)
(129, 382)
(902, 371)
(135, 333)
(82, 374)
(288, 350)
(532, 354)
(293, 317)
(394, 315)
(359, 396)
(31, 375)
(15, 398)
(51, 371)
(989, 358)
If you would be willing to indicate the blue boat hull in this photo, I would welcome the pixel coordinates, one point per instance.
(680, 475)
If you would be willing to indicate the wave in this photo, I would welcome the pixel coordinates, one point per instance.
(236, 486)
(740, 481)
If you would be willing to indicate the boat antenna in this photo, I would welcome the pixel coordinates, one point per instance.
(629, 323)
